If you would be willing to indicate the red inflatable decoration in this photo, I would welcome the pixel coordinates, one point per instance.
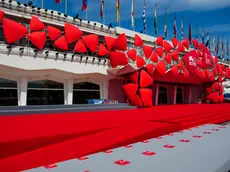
(13, 31)
(138, 41)
(167, 47)
(160, 51)
(131, 93)
(120, 43)
(180, 47)
(161, 68)
(2, 14)
(174, 42)
(134, 77)
(154, 57)
(150, 68)
(53, 33)
(160, 41)
(147, 51)
(36, 24)
(117, 58)
(145, 79)
(140, 62)
(102, 50)
(72, 33)
(62, 43)
(175, 56)
(168, 59)
(185, 42)
(38, 39)
(190, 62)
(91, 41)
(132, 54)
(80, 47)
(109, 42)
(146, 96)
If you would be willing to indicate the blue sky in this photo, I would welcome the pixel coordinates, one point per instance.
(213, 14)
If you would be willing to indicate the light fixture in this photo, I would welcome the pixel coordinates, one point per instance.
(39, 8)
(65, 56)
(88, 22)
(35, 50)
(57, 53)
(59, 13)
(102, 26)
(95, 24)
(25, 5)
(33, 7)
(9, 46)
(93, 59)
(52, 12)
(65, 15)
(81, 57)
(46, 10)
(99, 60)
(21, 49)
(105, 61)
(10, 1)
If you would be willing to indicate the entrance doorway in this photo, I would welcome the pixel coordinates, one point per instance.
(84, 91)
(8, 92)
(45, 92)
(179, 95)
(163, 95)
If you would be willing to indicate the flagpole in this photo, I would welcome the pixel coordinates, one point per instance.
(66, 3)
(42, 3)
(86, 13)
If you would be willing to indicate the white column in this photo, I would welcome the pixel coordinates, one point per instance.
(156, 94)
(174, 94)
(22, 90)
(68, 91)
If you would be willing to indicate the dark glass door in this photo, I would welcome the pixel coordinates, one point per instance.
(179, 96)
(163, 95)
(8, 97)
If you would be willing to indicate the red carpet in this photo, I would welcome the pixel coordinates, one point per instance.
(29, 141)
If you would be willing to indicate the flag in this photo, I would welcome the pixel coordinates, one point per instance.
(57, 1)
(182, 27)
(174, 27)
(222, 47)
(197, 31)
(213, 41)
(217, 45)
(155, 20)
(207, 44)
(203, 35)
(84, 5)
(227, 48)
(118, 11)
(190, 33)
(165, 24)
(102, 9)
(132, 15)
(144, 17)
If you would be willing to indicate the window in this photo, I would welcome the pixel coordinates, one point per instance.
(45, 92)
(84, 91)
(8, 92)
